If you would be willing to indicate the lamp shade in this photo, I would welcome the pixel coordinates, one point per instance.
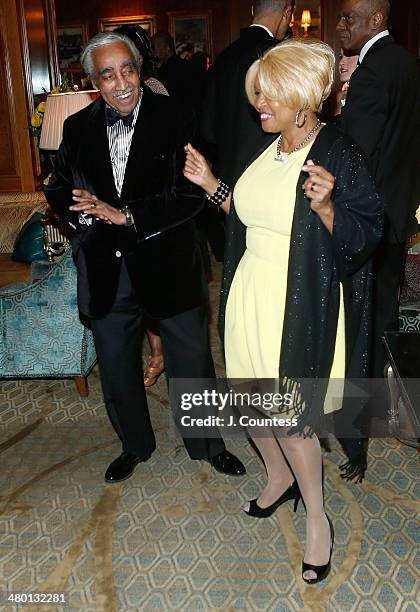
(58, 107)
(306, 18)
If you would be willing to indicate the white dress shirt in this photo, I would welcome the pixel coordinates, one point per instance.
(370, 43)
(119, 141)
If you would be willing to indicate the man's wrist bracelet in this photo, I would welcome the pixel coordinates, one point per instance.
(128, 216)
(220, 195)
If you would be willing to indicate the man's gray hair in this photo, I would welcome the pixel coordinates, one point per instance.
(102, 39)
(271, 6)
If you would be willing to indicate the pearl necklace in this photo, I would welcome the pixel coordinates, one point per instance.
(282, 156)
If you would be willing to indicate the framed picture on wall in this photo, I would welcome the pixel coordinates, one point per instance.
(147, 22)
(70, 42)
(191, 31)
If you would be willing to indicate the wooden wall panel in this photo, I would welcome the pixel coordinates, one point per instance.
(6, 143)
(39, 27)
(227, 15)
(16, 173)
(329, 19)
(37, 45)
(240, 14)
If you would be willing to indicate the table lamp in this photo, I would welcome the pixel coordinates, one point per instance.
(58, 107)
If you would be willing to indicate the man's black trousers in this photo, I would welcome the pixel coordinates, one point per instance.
(118, 338)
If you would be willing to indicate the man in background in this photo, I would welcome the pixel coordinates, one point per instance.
(229, 122)
(173, 71)
(382, 114)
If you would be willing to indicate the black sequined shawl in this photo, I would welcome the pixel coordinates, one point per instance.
(318, 261)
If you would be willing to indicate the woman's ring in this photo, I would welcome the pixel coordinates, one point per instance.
(93, 205)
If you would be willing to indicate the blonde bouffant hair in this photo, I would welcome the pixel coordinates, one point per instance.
(297, 73)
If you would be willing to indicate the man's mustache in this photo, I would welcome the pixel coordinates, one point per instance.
(123, 92)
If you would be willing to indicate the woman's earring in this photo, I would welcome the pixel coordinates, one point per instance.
(298, 122)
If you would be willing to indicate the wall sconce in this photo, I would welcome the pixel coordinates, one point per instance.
(305, 20)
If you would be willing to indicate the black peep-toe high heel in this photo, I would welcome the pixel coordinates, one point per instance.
(293, 492)
(321, 571)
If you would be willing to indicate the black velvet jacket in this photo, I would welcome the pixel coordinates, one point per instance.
(161, 252)
(318, 262)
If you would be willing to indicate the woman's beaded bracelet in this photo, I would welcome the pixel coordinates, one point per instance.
(220, 195)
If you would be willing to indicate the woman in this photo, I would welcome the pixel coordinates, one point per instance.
(304, 216)
(347, 64)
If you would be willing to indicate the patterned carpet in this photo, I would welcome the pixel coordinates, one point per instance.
(172, 537)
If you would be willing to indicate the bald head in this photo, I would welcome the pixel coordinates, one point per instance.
(360, 21)
(269, 6)
(376, 6)
(274, 15)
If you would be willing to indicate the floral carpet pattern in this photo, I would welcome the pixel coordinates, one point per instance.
(173, 537)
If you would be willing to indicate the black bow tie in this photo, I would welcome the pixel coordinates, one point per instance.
(112, 117)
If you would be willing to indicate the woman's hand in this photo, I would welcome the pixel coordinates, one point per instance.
(198, 171)
(88, 203)
(318, 189)
(339, 102)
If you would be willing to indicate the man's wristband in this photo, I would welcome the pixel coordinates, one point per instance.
(128, 216)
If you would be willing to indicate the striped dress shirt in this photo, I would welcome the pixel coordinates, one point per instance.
(119, 141)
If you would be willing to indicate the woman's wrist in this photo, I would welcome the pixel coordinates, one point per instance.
(220, 195)
(326, 210)
(211, 187)
(326, 215)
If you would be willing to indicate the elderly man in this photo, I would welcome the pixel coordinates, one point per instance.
(135, 248)
(382, 114)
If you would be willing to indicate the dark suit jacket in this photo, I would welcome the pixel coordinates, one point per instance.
(382, 114)
(176, 75)
(161, 252)
(228, 120)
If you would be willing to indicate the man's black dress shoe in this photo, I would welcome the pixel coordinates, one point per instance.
(226, 463)
(122, 467)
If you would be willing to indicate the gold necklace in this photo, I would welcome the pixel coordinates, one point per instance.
(282, 156)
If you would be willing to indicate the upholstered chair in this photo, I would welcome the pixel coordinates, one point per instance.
(42, 335)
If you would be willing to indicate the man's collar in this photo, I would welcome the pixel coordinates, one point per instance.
(259, 25)
(370, 44)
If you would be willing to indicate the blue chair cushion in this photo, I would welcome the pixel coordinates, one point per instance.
(29, 244)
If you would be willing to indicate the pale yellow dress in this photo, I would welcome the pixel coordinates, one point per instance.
(264, 200)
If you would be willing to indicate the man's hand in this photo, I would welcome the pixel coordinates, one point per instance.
(89, 204)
